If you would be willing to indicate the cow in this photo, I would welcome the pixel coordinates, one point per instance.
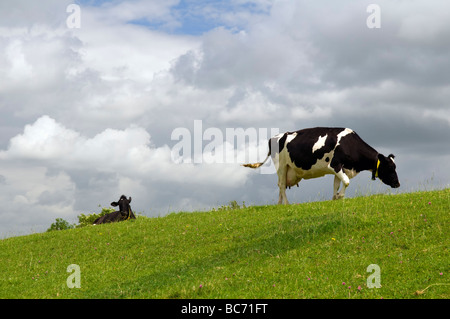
(315, 152)
(124, 212)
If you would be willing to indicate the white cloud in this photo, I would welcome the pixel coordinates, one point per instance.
(20, 69)
(138, 167)
(137, 11)
(44, 140)
(67, 174)
(110, 151)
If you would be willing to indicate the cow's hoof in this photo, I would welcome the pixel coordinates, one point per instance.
(338, 196)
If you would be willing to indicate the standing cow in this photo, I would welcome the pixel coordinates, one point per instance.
(315, 152)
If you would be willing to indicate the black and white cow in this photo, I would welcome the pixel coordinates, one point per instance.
(315, 152)
(124, 212)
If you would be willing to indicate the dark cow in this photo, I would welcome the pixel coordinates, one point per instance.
(124, 212)
(315, 152)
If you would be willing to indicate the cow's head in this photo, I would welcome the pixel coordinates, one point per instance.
(386, 170)
(124, 205)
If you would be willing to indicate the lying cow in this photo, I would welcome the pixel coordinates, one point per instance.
(315, 152)
(124, 212)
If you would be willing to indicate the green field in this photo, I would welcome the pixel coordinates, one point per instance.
(310, 250)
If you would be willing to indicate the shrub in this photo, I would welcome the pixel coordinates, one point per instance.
(85, 220)
(60, 224)
(231, 205)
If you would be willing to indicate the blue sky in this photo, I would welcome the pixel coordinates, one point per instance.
(195, 17)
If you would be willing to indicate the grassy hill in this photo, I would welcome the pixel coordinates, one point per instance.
(311, 250)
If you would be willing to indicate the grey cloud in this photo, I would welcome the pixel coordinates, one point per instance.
(54, 198)
(356, 55)
(27, 13)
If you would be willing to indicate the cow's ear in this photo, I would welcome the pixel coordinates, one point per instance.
(114, 204)
(129, 199)
(391, 157)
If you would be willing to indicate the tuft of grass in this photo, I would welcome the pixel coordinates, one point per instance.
(311, 250)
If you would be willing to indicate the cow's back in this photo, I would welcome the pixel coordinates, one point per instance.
(108, 218)
(311, 144)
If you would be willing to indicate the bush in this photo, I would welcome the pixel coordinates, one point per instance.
(231, 205)
(85, 220)
(60, 224)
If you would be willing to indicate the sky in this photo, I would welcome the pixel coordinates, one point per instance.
(151, 99)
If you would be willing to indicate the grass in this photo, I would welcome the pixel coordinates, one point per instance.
(312, 250)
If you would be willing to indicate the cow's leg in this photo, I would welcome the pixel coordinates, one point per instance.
(283, 195)
(340, 177)
(336, 184)
(282, 171)
(282, 198)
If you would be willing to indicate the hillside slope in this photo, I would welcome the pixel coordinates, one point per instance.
(312, 250)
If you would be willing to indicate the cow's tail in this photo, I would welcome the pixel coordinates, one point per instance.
(256, 165)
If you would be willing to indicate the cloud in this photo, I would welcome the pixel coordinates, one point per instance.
(425, 24)
(66, 172)
(228, 59)
(133, 11)
(23, 13)
(128, 152)
(44, 140)
(35, 197)
(306, 64)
